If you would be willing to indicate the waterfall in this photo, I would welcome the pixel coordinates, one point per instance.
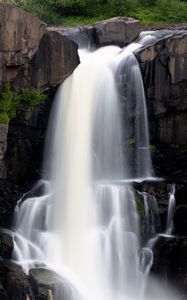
(85, 223)
(171, 210)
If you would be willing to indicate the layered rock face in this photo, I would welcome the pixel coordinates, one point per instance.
(163, 65)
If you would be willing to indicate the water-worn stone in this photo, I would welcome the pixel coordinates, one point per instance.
(117, 31)
(6, 244)
(14, 281)
(46, 284)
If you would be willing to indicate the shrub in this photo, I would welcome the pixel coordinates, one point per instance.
(11, 102)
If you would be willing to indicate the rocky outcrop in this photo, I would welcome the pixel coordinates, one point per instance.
(6, 244)
(119, 31)
(52, 64)
(39, 284)
(20, 34)
(163, 64)
(170, 261)
(21, 61)
(46, 284)
(14, 282)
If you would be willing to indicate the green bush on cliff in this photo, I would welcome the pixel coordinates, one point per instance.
(72, 12)
(11, 101)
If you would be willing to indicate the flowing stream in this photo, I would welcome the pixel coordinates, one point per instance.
(82, 220)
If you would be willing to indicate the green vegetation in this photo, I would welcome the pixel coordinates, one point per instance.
(129, 142)
(139, 204)
(11, 102)
(74, 12)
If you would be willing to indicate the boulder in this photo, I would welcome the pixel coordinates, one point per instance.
(55, 60)
(46, 284)
(118, 31)
(6, 244)
(14, 281)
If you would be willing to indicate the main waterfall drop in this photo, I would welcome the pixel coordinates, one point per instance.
(85, 225)
(95, 210)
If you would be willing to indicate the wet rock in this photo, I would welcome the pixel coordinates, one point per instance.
(3, 294)
(180, 220)
(84, 36)
(25, 143)
(160, 190)
(9, 195)
(55, 60)
(6, 244)
(170, 260)
(163, 66)
(46, 284)
(14, 281)
(117, 31)
(3, 148)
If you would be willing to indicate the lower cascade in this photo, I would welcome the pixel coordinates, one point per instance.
(81, 219)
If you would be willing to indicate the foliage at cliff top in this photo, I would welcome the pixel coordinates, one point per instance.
(11, 102)
(74, 12)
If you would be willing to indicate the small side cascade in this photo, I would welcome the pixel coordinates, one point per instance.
(171, 210)
(151, 222)
(32, 221)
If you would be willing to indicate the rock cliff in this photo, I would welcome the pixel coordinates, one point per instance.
(163, 65)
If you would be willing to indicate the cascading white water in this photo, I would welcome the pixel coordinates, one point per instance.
(171, 209)
(151, 216)
(85, 225)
